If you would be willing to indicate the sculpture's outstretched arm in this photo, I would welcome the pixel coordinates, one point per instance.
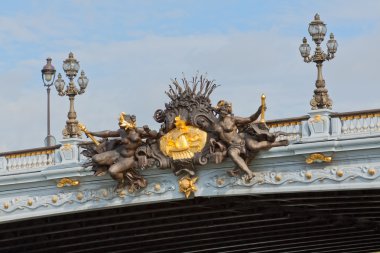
(247, 120)
(146, 132)
(105, 134)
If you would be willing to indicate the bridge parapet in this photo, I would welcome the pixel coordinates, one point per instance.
(291, 126)
(28, 159)
(325, 123)
(327, 151)
(359, 122)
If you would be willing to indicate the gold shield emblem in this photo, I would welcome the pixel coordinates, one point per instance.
(183, 141)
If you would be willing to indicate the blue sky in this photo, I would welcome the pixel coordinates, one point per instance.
(131, 49)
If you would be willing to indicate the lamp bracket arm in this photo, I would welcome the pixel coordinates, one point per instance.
(330, 56)
(308, 59)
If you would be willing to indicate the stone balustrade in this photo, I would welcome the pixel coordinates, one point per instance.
(28, 159)
(359, 122)
(291, 126)
(355, 123)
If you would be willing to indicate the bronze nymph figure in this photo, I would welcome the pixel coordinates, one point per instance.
(118, 156)
(242, 145)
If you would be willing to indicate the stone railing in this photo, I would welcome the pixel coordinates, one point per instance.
(28, 159)
(291, 126)
(359, 122)
(366, 122)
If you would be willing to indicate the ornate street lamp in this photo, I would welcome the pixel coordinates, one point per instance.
(48, 75)
(71, 68)
(317, 30)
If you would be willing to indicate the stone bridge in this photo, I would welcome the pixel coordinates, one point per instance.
(329, 172)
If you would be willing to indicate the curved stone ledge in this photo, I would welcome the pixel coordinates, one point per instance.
(89, 195)
(354, 164)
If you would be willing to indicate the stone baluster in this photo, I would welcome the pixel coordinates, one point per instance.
(365, 124)
(345, 126)
(50, 160)
(296, 132)
(377, 124)
(372, 124)
(352, 126)
(359, 125)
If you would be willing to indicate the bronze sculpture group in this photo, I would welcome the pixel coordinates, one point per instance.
(192, 133)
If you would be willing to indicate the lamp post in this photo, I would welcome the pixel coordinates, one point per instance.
(71, 68)
(48, 75)
(317, 30)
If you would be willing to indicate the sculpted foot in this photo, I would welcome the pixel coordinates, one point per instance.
(280, 143)
(234, 173)
(131, 189)
(248, 177)
(120, 188)
(100, 172)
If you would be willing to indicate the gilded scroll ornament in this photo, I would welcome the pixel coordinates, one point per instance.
(183, 141)
(67, 182)
(318, 157)
(187, 185)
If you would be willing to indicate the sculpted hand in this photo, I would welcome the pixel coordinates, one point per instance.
(212, 142)
(261, 107)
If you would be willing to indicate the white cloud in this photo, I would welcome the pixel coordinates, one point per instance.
(132, 75)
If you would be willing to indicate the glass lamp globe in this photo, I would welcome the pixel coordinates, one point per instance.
(71, 66)
(82, 80)
(48, 72)
(59, 84)
(304, 48)
(331, 44)
(317, 29)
